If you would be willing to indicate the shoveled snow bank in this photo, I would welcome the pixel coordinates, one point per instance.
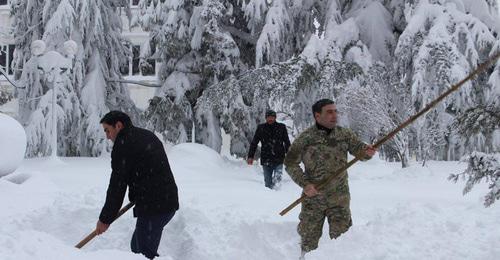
(12, 144)
(227, 213)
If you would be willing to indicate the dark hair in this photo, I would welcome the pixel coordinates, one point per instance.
(270, 113)
(114, 117)
(316, 108)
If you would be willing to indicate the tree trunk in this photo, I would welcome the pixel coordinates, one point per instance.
(404, 159)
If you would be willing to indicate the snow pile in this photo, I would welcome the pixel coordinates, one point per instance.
(227, 213)
(13, 144)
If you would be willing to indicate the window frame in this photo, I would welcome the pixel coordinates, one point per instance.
(133, 66)
(9, 58)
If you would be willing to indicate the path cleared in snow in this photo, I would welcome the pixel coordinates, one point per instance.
(227, 213)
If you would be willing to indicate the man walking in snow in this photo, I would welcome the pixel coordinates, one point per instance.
(273, 137)
(139, 161)
(322, 149)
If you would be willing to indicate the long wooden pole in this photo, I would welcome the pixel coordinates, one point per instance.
(342, 171)
(94, 234)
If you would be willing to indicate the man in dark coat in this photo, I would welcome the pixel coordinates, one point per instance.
(139, 161)
(273, 137)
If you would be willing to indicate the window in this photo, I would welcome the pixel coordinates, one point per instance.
(136, 50)
(4, 2)
(124, 69)
(119, 4)
(6, 58)
(10, 58)
(138, 66)
(3, 58)
(124, 3)
(148, 69)
(148, 66)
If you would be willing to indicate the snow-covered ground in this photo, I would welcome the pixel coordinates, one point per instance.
(227, 213)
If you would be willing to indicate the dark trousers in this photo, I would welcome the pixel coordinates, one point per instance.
(147, 234)
(272, 174)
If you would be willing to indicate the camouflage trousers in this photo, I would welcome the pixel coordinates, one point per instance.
(334, 207)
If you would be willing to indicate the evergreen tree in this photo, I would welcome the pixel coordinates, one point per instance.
(104, 50)
(238, 106)
(197, 51)
(376, 107)
(46, 72)
(396, 55)
(95, 26)
(440, 45)
(481, 167)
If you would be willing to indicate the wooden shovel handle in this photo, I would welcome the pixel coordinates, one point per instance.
(94, 234)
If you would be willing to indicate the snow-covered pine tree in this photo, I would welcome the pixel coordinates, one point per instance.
(238, 104)
(96, 28)
(103, 50)
(442, 43)
(170, 111)
(50, 72)
(275, 37)
(325, 68)
(196, 50)
(477, 126)
(433, 44)
(481, 167)
(376, 107)
(47, 71)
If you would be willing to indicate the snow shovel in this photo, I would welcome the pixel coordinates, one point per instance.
(410, 120)
(94, 234)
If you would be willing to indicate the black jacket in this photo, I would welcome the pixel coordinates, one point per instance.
(274, 141)
(139, 161)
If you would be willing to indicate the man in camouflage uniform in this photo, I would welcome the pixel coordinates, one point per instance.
(323, 149)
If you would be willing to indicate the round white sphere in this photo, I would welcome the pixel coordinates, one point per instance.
(70, 47)
(12, 144)
(38, 47)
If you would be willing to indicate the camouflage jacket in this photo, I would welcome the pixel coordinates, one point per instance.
(322, 155)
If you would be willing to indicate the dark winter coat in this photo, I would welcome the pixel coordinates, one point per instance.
(139, 161)
(274, 143)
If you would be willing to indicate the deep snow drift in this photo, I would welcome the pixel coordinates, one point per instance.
(13, 141)
(227, 213)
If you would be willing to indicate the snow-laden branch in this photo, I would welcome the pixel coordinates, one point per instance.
(150, 85)
(481, 167)
(8, 79)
